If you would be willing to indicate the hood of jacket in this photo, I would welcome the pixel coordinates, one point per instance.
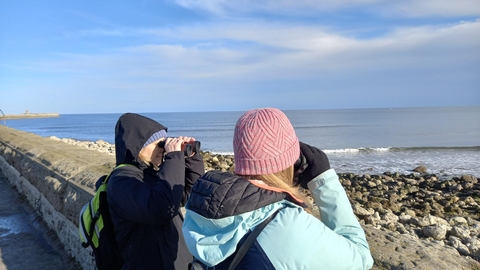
(221, 210)
(131, 132)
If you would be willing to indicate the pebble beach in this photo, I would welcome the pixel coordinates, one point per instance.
(445, 213)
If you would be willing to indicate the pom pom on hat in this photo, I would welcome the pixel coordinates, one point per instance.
(264, 142)
(157, 135)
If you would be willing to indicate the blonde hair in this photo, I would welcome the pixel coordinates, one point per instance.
(144, 158)
(282, 180)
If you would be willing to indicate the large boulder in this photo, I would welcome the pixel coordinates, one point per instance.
(392, 250)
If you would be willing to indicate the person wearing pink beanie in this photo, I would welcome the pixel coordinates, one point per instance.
(261, 210)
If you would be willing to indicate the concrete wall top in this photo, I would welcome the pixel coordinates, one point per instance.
(65, 174)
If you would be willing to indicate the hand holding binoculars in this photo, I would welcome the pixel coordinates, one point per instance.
(188, 149)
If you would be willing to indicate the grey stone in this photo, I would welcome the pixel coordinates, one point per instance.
(420, 169)
(437, 232)
(392, 250)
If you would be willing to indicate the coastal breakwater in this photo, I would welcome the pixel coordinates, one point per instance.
(409, 220)
(28, 115)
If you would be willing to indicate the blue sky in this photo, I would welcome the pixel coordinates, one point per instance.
(224, 55)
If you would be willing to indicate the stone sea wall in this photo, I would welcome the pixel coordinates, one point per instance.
(57, 179)
(411, 221)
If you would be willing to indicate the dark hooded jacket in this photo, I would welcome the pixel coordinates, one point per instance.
(144, 203)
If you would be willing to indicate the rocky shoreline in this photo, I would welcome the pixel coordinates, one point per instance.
(444, 213)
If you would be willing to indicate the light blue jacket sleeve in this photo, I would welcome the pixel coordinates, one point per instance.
(337, 214)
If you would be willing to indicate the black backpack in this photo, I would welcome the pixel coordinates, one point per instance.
(96, 228)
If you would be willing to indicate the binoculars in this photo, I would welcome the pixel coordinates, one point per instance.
(299, 166)
(188, 150)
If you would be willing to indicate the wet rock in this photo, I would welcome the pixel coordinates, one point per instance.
(469, 178)
(420, 169)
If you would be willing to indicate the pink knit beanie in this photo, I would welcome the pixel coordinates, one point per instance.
(264, 142)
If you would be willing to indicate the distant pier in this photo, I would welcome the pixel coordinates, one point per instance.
(28, 115)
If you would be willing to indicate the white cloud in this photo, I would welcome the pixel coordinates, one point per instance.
(274, 35)
(445, 8)
(266, 51)
(96, 33)
(288, 46)
(224, 7)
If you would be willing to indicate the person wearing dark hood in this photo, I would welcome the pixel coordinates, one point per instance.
(144, 198)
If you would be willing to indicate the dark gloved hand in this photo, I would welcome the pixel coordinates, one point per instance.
(194, 168)
(317, 162)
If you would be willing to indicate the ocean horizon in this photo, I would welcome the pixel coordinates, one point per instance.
(446, 140)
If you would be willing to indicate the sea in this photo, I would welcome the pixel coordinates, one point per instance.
(446, 140)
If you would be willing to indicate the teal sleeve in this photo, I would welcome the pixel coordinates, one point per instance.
(337, 214)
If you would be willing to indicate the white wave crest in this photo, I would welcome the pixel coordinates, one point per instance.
(356, 150)
(346, 150)
(380, 149)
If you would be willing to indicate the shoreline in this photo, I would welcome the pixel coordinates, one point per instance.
(445, 213)
(416, 168)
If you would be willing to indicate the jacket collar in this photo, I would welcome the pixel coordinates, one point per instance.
(218, 194)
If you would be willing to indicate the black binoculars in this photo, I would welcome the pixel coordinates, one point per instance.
(299, 166)
(188, 150)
